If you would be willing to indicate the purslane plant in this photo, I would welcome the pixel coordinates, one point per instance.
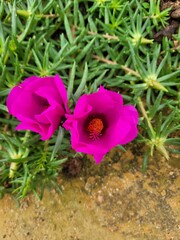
(41, 103)
(101, 122)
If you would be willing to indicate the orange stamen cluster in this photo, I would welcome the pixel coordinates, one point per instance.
(95, 128)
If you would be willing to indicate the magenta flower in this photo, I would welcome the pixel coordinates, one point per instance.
(39, 104)
(100, 122)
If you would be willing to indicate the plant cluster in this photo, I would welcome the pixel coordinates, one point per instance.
(88, 43)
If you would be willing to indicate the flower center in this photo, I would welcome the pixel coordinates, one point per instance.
(95, 127)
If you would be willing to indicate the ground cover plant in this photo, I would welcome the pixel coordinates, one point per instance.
(130, 47)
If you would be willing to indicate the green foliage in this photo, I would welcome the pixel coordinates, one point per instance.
(87, 43)
(157, 16)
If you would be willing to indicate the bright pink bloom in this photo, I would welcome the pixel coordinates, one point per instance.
(100, 122)
(39, 104)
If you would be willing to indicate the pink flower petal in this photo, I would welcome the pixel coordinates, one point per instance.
(119, 123)
(39, 104)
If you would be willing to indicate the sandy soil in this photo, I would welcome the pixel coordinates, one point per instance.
(113, 200)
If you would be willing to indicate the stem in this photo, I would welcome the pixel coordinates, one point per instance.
(129, 70)
(13, 168)
(26, 136)
(26, 14)
(145, 116)
(105, 60)
(46, 144)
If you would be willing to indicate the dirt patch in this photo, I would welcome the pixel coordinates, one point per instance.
(113, 200)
